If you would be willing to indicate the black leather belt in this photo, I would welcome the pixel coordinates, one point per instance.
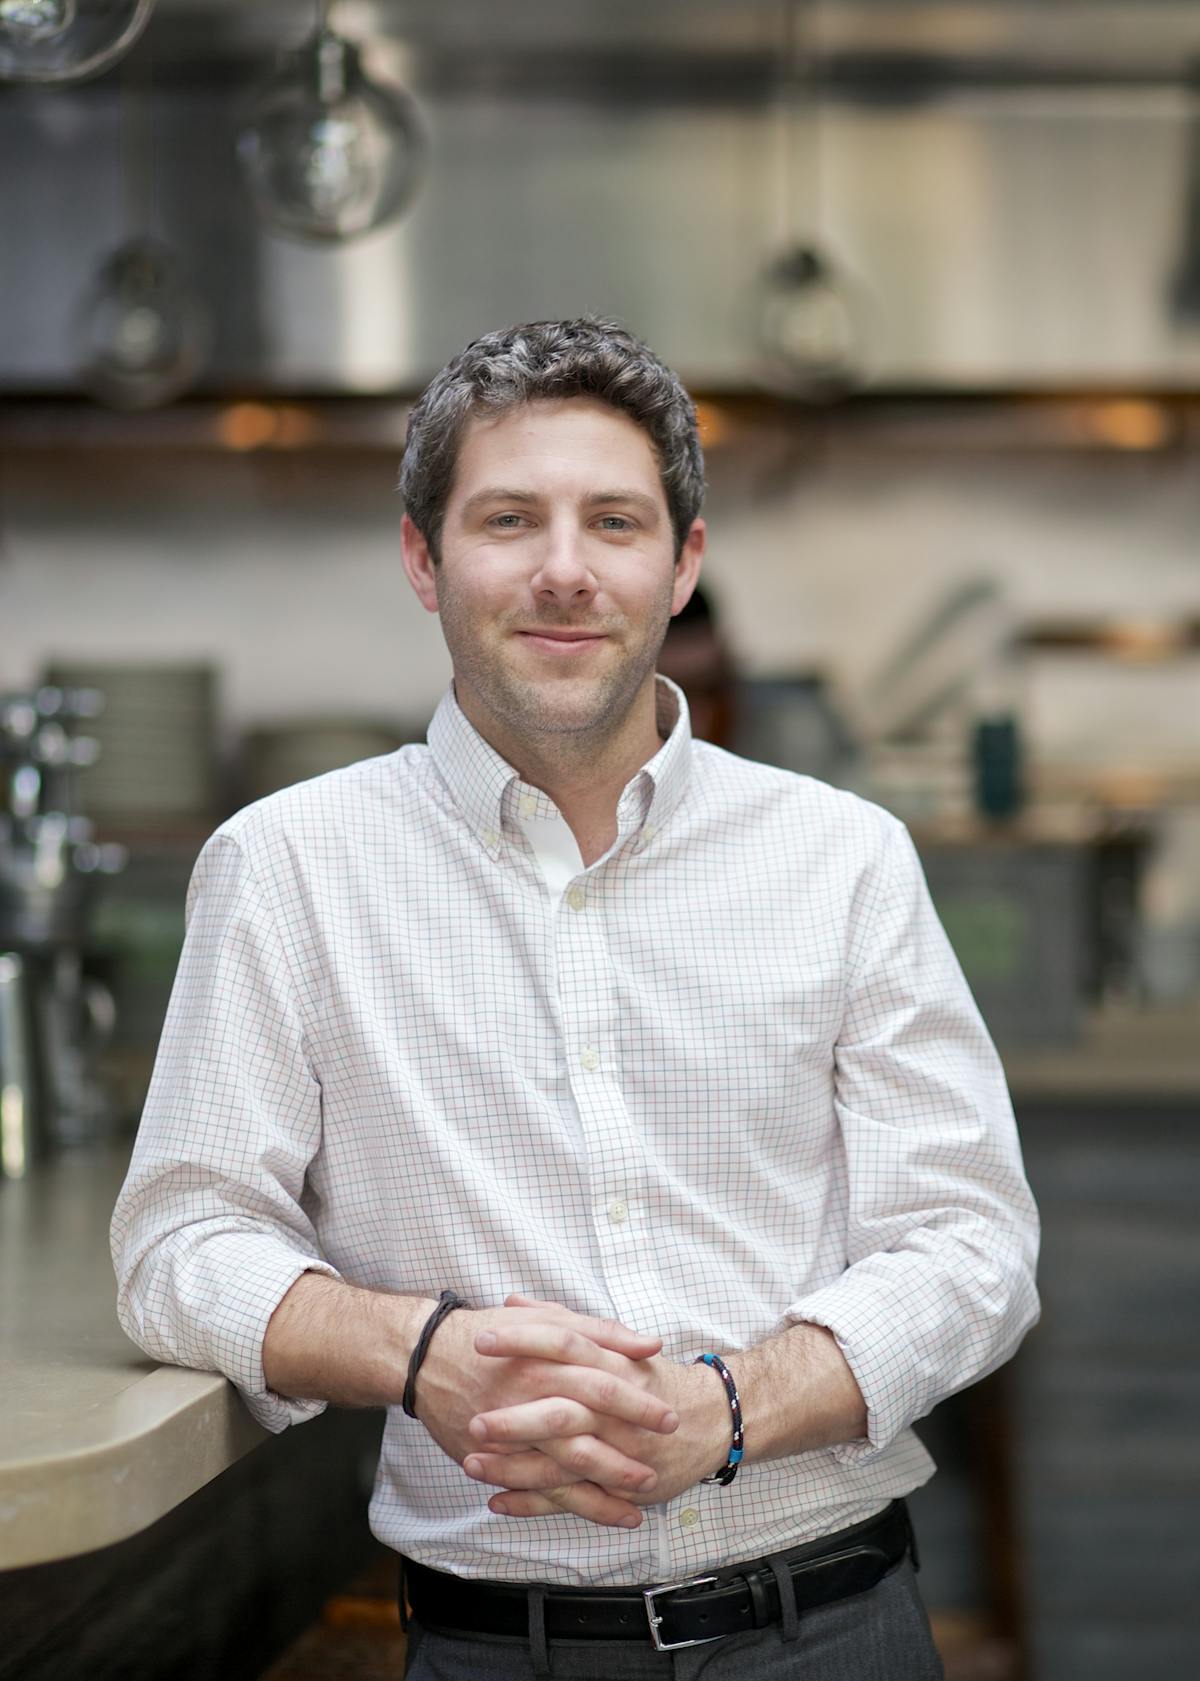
(671, 1614)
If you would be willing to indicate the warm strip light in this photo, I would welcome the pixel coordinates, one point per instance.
(1129, 423)
(714, 425)
(245, 426)
(1144, 641)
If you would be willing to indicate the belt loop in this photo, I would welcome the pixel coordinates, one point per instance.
(912, 1536)
(787, 1595)
(403, 1594)
(538, 1650)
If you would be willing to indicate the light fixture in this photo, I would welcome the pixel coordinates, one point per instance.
(66, 40)
(328, 152)
(1184, 296)
(808, 328)
(142, 335)
(809, 312)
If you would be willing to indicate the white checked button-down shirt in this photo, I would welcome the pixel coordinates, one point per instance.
(726, 1079)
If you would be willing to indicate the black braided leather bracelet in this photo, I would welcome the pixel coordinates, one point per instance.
(447, 1302)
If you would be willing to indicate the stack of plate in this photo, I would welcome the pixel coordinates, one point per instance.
(157, 766)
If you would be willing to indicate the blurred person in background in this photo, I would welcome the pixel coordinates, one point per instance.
(696, 656)
(609, 1108)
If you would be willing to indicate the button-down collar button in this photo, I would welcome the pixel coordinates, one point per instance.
(576, 898)
(490, 838)
(590, 1057)
(618, 1213)
(528, 807)
(689, 1517)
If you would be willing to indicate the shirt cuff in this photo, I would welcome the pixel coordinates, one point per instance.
(254, 1278)
(854, 1323)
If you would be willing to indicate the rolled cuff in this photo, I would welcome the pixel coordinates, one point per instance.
(235, 1279)
(275, 1412)
(876, 1368)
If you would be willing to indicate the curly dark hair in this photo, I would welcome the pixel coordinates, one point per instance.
(587, 357)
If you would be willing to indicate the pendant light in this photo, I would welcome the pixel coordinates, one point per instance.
(66, 40)
(328, 152)
(142, 334)
(810, 313)
(1184, 295)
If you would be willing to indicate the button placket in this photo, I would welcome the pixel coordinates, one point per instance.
(588, 1004)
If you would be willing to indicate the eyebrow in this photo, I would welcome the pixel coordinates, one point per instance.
(597, 499)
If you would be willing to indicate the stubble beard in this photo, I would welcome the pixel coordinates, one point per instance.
(590, 709)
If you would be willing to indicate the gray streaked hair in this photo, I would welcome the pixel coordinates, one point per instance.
(587, 357)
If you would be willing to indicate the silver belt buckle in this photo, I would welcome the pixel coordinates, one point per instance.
(652, 1617)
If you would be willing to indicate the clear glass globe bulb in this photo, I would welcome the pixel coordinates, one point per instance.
(66, 40)
(142, 334)
(328, 153)
(810, 327)
(35, 20)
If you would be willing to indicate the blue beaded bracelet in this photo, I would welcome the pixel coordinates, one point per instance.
(729, 1470)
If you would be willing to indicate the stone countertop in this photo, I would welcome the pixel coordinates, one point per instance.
(96, 1440)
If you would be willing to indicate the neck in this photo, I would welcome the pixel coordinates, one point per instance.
(583, 772)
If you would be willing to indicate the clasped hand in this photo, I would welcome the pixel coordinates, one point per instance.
(565, 1413)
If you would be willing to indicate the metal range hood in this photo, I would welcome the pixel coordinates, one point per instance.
(1006, 187)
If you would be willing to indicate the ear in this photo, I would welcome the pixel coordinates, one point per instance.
(687, 567)
(418, 564)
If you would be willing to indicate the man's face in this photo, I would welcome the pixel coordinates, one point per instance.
(557, 576)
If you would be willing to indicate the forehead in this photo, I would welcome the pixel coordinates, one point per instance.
(556, 446)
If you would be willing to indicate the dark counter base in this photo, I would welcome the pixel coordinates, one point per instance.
(220, 1586)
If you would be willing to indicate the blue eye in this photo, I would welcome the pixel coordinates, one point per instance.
(616, 522)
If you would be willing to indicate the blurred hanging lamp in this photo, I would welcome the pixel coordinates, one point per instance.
(66, 40)
(810, 327)
(1184, 297)
(329, 153)
(142, 335)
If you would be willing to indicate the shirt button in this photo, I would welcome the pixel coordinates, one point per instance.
(528, 805)
(590, 1057)
(618, 1213)
(577, 898)
(490, 837)
(689, 1517)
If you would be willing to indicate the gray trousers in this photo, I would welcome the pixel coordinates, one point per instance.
(880, 1635)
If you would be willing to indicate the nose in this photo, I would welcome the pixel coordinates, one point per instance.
(563, 570)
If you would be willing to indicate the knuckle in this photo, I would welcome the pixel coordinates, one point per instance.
(606, 1392)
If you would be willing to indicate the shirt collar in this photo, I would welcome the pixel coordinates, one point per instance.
(477, 776)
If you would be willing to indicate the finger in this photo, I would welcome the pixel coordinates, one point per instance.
(606, 1333)
(579, 1458)
(544, 1423)
(531, 1469)
(533, 1421)
(596, 1387)
(586, 1500)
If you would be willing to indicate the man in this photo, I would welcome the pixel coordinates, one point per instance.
(645, 1052)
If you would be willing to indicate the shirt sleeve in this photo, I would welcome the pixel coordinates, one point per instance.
(941, 1227)
(208, 1234)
